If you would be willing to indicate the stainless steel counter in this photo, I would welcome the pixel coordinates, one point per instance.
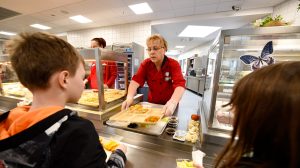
(147, 150)
(162, 151)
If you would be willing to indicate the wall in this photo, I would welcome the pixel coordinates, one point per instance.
(288, 10)
(200, 51)
(125, 33)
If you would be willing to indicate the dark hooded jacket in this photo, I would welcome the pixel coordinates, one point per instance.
(61, 140)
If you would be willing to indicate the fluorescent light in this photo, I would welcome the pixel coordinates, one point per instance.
(141, 8)
(179, 46)
(39, 26)
(198, 31)
(80, 19)
(172, 52)
(7, 33)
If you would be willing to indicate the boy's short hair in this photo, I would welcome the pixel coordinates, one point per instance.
(35, 57)
(162, 40)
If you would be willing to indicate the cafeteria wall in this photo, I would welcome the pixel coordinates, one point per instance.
(123, 33)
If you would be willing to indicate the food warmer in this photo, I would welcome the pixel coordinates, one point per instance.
(226, 67)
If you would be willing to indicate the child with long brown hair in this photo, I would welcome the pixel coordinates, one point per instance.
(266, 128)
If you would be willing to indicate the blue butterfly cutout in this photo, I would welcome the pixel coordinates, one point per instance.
(258, 62)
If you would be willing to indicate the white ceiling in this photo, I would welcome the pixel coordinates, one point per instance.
(169, 17)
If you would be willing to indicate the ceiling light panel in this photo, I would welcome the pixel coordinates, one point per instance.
(141, 8)
(39, 26)
(81, 19)
(198, 31)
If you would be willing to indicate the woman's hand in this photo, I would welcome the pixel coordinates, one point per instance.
(127, 103)
(169, 108)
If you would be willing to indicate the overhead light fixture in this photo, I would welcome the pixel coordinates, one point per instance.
(7, 33)
(39, 26)
(198, 31)
(141, 8)
(179, 46)
(80, 19)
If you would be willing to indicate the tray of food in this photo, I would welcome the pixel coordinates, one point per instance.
(90, 97)
(109, 145)
(16, 89)
(143, 113)
(151, 129)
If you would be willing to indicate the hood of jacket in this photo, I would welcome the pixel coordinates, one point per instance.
(22, 118)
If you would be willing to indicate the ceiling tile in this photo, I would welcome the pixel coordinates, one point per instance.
(122, 11)
(184, 11)
(206, 9)
(251, 4)
(206, 2)
(160, 5)
(178, 4)
(33, 6)
(227, 6)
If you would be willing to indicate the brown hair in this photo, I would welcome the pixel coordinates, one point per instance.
(100, 41)
(37, 56)
(160, 38)
(266, 104)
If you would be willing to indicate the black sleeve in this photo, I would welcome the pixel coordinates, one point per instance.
(77, 145)
(117, 159)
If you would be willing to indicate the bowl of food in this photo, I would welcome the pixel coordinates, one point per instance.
(173, 118)
(170, 131)
(172, 123)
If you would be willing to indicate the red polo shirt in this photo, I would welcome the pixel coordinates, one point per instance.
(161, 83)
(109, 74)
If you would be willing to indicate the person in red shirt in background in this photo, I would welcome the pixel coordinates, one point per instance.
(109, 68)
(162, 74)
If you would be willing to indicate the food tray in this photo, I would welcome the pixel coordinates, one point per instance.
(142, 113)
(16, 89)
(90, 97)
(150, 129)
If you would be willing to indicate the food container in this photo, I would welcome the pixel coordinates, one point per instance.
(180, 135)
(173, 118)
(170, 131)
(172, 123)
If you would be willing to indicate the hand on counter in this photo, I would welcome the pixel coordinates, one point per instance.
(127, 103)
(169, 108)
(123, 148)
(105, 86)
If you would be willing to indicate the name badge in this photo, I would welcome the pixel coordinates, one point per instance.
(167, 76)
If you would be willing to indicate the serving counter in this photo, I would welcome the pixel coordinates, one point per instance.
(149, 150)
(146, 150)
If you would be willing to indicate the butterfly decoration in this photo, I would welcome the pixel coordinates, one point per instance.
(265, 57)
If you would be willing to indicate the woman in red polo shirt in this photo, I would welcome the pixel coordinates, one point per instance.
(109, 68)
(162, 74)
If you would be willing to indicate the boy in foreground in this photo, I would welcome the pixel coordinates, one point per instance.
(46, 134)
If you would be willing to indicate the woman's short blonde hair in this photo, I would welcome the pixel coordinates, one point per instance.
(160, 38)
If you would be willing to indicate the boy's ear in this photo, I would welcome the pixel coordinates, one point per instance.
(63, 78)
